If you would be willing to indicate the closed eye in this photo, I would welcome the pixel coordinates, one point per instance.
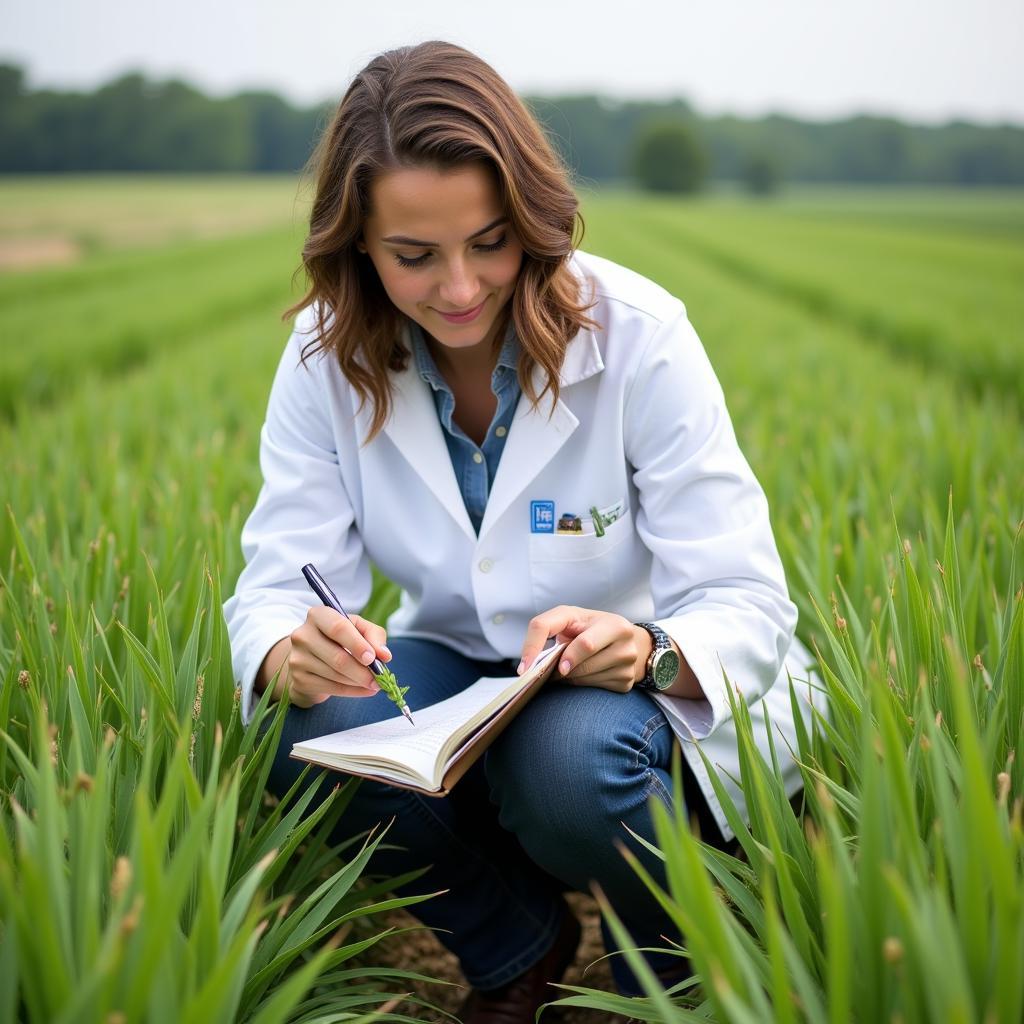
(405, 261)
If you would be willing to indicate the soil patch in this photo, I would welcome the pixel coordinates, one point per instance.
(421, 951)
(29, 253)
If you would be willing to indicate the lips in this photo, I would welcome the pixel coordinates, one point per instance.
(463, 318)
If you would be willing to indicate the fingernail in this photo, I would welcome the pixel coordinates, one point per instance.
(374, 687)
(386, 651)
(366, 657)
(522, 665)
(564, 667)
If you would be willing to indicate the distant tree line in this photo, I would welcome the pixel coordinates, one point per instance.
(600, 138)
(137, 124)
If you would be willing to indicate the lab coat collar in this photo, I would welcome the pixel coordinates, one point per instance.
(535, 437)
(416, 431)
(582, 360)
(533, 440)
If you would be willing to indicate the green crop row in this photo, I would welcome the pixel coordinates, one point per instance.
(61, 328)
(948, 297)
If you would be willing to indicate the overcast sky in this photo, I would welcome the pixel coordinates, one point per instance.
(925, 60)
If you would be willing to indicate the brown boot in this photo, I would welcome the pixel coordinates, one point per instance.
(516, 1001)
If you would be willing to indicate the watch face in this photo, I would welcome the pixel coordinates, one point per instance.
(666, 668)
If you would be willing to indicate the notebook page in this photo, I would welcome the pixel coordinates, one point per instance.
(395, 739)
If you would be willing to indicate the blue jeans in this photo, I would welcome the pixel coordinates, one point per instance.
(537, 815)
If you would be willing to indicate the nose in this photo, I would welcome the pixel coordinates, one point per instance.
(459, 288)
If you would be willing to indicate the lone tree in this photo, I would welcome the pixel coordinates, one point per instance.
(669, 157)
(761, 174)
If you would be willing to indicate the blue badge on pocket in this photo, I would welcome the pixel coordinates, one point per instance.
(542, 517)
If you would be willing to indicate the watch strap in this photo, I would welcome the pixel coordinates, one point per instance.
(661, 642)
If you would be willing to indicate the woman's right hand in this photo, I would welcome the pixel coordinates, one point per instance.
(315, 658)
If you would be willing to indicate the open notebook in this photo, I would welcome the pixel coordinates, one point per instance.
(448, 737)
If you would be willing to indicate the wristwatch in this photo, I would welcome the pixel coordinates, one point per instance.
(663, 663)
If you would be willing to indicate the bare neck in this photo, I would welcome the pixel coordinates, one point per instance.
(476, 363)
(473, 365)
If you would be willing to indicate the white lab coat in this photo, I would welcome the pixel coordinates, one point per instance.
(641, 419)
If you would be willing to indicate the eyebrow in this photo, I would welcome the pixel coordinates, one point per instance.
(405, 240)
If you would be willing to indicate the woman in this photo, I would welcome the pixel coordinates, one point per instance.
(531, 442)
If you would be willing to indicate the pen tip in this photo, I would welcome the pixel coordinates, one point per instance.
(408, 714)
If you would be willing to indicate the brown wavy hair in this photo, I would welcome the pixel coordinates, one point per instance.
(435, 105)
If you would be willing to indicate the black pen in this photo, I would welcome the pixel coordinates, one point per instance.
(324, 592)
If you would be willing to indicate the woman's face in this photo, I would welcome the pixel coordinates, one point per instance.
(441, 245)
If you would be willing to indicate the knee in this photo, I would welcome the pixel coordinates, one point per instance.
(555, 770)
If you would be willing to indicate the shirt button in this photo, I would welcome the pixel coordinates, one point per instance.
(486, 565)
(477, 457)
(498, 619)
(501, 431)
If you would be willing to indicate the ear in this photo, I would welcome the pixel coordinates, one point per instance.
(361, 246)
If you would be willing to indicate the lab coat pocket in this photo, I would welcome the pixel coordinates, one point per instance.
(578, 569)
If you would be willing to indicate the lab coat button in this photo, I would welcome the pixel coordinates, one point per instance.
(486, 565)
(498, 619)
(501, 431)
(477, 458)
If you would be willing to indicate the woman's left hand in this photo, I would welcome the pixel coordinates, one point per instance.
(604, 649)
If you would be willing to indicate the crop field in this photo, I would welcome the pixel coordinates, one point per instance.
(871, 349)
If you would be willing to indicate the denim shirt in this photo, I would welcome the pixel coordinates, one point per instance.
(474, 466)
